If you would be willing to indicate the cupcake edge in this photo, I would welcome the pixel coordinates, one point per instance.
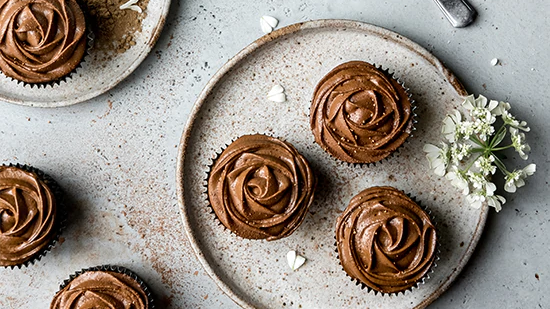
(413, 120)
(116, 269)
(419, 282)
(61, 213)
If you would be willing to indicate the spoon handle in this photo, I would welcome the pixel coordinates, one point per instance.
(459, 12)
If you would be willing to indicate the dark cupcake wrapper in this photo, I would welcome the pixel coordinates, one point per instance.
(418, 283)
(61, 213)
(90, 37)
(205, 182)
(116, 269)
(413, 120)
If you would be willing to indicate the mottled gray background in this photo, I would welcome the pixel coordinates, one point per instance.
(119, 150)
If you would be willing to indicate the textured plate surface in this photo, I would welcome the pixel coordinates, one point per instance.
(97, 75)
(233, 103)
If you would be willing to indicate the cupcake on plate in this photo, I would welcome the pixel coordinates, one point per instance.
(41, 41)
(385, 240)
(360, 113)
(29, 215)
(104, 286)
(260, 187)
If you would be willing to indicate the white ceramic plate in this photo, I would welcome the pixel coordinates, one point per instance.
(95, 76)
(233, 103)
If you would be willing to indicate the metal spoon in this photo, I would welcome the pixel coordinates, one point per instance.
(459, 12)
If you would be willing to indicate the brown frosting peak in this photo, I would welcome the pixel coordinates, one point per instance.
(359, 114)
(101, 289)
(385, 240)
(27, 215)
(261, 187)
(41, 40)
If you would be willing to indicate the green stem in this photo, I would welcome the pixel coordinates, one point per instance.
(472, 163)
(500, 165)
(502, 148)
(492, 143)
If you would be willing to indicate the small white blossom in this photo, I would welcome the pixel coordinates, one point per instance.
(477, 180)
(483, 129)
(501, 108)
(496, 201)
(465, 129)
(485, 165)
(516, 179)
(450, 124)
(479, 109)
(519, 144)
(509, 119)
(438, 158)
(459, 151)
(476, 199)
(458, 180)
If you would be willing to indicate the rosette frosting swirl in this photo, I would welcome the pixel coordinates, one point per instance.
(359, 114)
(27, 216)
(261, 187)
(41, 40)
(385, 240)
(101, 289)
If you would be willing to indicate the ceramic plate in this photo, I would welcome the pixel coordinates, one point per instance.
(255, 274)
(96, 75)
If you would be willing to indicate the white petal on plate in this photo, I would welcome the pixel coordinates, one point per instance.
(279, 98)
(277, 94)
(268, 23)
(272, 21)
(128, 4)
(494, 61)
(295, 261)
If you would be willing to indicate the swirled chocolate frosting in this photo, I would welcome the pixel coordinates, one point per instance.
(41, 40)
(27, 216)
(385, 240)
(359, 114)
(101, 289)
(261, 187)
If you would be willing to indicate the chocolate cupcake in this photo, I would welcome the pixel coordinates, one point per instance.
(385, 240)
(29, 215)
(41, 41)
(360, 114)
(103, 287)
(260, 187)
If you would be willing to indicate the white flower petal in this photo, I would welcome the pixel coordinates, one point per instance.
(494, 61)
(268, 23)
(279, 98)
(294, 260)
(510, 187)
(530, 169)
(431, 148)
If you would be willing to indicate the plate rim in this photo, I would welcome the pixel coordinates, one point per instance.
(241, 55)
(149, 45)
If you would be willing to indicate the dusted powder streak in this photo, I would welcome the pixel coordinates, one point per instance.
(359, 114)
(385, 240)
(101, 289)
(41, 40)
(261, 187)
(27, 216)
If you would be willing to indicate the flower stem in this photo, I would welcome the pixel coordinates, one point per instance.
(502, 148)
(500, 165)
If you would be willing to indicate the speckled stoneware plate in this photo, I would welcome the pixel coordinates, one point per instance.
(255, 274)
(97, 74)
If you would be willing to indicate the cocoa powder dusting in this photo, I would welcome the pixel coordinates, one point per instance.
(114, 28)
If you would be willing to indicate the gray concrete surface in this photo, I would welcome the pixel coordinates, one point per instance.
(119, 150)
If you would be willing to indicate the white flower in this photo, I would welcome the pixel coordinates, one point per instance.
(459, 151)
(516, 179)
(450, 124)
(509, 119)
(496, 201)
(295, 260)
(518, 141)
(485, 165)
(477, 180)
(476, 199)
(459, 180)
(479, 109)
(437, 157)
(465, 129)
(277, 94)
(501, 108)
(483, 129)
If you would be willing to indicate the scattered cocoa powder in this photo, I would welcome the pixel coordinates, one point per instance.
(114, 28)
